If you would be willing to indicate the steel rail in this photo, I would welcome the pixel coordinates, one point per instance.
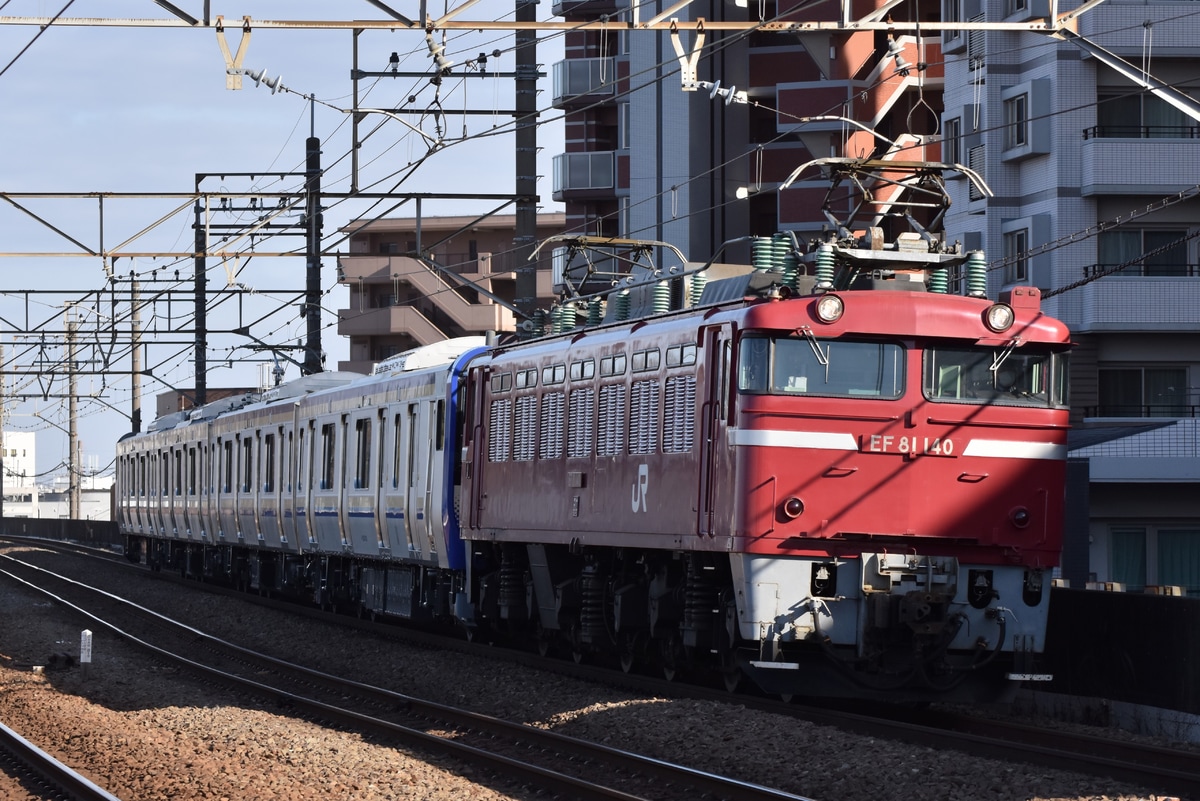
(541, 740)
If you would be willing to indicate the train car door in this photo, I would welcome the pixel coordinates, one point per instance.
(381, 477)
(416, 500)
(361, 489)
(288, 537)
(714, 417)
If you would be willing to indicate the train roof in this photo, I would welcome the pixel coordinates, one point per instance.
(429, 355)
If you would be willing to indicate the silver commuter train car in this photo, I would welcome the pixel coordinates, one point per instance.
(262, 490)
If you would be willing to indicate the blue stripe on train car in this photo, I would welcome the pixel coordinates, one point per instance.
(455, 553)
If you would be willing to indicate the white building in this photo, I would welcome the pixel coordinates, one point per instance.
(18, 457)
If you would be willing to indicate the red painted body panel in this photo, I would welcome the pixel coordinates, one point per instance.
(750, 453)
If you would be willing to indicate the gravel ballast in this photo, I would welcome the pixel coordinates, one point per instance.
(146, 732)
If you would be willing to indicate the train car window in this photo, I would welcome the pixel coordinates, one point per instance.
(525, 429)
(611, 422)
(396, 452)
(995, 376)
(301, 461)
(526, 379)
(226, 465)
(268, 458)
(328, 455)
(580, 414)
(500, 430)
(412, 445)
(614, 365)
(550, 442)
(440, 412)
(679, 414)
(142, 476)
(247, 465)
(286, 461)
(502, 382)
(362, 454)
(826, 368)
(178, 472)
(191, 477)
(343, 452)
(644, 417)
(644, 360)
(582, 370)
(554, 374)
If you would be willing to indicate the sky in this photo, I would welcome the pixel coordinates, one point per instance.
(143, 110)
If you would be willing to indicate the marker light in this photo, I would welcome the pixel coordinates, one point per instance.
(793, 507)
(829, 308)
(999, 317)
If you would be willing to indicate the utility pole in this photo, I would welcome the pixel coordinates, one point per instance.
(135, 356)
(201, 388)
(312, 293)
(73, 466)
(525, 238)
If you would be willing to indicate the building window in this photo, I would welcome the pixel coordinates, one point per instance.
(1016, 122)
(1179, 558)
(950, 13)
(1143, 392)
(1127, 556)
(1144, 252)
(1016, 267)
(1138, 115)
(952, 141)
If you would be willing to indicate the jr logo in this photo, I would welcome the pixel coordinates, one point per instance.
(640, 487)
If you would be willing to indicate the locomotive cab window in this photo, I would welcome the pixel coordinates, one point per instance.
(999, 376)
(826, 368)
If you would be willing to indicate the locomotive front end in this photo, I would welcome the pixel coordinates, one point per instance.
(900, 469)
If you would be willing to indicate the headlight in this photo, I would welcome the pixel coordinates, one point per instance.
(829, 308)
(999, 317)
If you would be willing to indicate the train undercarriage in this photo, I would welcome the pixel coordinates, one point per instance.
(649, 611)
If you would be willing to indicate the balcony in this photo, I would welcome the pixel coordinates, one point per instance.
(1142, 304)
(580, 176)
(1136, 165)
(1142, 132)
(584, 82)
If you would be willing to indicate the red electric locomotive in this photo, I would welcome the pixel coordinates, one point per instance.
(848, 483)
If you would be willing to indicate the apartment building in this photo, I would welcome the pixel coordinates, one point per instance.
(417, 281)
(1087, 172)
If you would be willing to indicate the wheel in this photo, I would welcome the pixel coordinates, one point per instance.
(626, 652)
(670, 650)
(543, 641)
(732, 678)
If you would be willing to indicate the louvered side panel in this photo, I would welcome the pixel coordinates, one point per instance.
(551, 446)
(679, 415)
(610, 440)
(581, 411)
(525, 429)
(643, 414)
(500, 430)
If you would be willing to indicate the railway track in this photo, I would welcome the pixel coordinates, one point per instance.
(551, 762)
(1168, 770)
(41, 776)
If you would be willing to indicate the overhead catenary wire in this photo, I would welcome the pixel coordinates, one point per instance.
(490, 133)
